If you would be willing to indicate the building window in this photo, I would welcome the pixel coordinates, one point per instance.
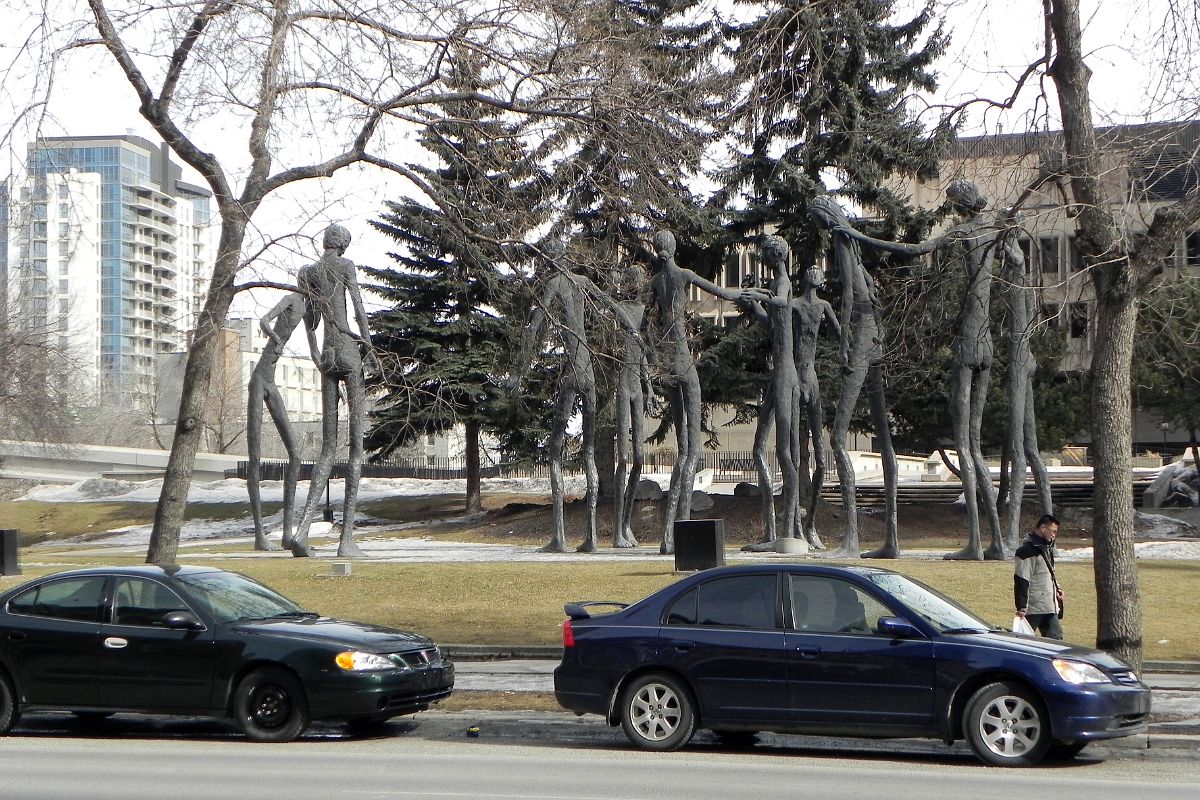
(1050, 314)
(64, 191)
(1048, 250)
(732, 270)
(1078, 320)
(1074, 256)
(1192, 250)
(64, 230)
(64, 287)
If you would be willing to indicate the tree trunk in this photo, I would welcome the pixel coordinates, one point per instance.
(474, 500)
(1118, 598)
(1118, 602)
(193, 400)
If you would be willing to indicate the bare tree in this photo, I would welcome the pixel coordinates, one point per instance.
(35, 377)
(1122, 264)
(311, 89)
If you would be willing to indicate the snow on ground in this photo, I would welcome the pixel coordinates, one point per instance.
(233, 490)
(1164, 534)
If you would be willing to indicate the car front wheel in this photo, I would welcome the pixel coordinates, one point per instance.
(657, 713)
(8, 705)
(1006, 725)
(269, 705)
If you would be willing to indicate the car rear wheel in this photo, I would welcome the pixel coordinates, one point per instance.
(1006, 725)
(657, 713)
(8, 704)
(269, 705)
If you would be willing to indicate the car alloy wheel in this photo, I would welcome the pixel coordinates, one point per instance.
(1006, 726)
(269, 705)
(657, 713)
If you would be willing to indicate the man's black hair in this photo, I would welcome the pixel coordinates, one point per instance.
(1047, 519)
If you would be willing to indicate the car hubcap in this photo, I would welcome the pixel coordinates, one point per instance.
(1010, 726)
(270, 707)
(655, 712)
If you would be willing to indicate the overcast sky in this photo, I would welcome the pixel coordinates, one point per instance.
(993, 40)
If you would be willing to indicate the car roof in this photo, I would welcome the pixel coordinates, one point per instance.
(143, 570)
(797, 566)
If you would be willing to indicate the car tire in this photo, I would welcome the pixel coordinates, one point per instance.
(1007, 725)
(1064, 751)
(657, 712)
(8, 705)
(269, 705)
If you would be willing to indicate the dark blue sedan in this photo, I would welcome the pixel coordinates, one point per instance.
(848, 651)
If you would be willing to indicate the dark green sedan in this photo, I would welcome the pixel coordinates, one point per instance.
(203, 642)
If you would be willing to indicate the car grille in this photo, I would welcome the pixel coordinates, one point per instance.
(1126, 677)
(418, 659)
(1129, 721)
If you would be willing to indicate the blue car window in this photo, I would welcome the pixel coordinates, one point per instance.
(821, 604)
(76, 599)
(744, 601)
(683, 610)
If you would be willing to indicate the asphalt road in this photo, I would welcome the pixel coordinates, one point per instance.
(199, 763)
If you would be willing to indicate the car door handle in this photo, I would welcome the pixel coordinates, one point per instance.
(115, 642)
(808, 652)
(683, 646)
(16, 636)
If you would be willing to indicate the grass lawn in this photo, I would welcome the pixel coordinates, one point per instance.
(521, 602)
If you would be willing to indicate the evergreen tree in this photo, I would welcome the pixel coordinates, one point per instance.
(444, 339)
(821, 99)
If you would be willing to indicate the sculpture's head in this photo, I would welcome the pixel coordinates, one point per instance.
(826, 212)
(336, 238)
(664, 244)
(775, 252)
(965, 196)
(814, 277)
(633, 278)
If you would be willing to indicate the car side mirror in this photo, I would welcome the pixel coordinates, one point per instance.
(895, 626)
(182, 621)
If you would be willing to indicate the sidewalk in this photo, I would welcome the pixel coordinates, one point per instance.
(1174, 725)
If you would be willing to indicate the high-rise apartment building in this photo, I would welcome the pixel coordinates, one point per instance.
(107, 247)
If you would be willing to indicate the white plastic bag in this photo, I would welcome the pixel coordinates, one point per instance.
(1022, 626)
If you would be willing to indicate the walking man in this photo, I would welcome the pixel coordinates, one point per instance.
(1036, 591)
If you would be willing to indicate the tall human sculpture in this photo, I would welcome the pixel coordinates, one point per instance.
(286, 315)
(561, 303)
(671, 283)
(325, 286)
(862, 363)
(1022, 419)
(783, 402)
(633, 380)
(972, 244)
(809, 312)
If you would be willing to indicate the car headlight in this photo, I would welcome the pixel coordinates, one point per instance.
(1078, 672)
(354, 661)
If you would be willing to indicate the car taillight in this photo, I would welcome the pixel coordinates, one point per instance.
(568, 634)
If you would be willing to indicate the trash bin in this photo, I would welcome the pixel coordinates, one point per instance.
(10, 539)
(699, 544)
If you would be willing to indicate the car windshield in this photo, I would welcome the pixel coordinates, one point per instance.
(230, 597)
(939, 611)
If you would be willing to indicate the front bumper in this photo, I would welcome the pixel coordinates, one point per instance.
(345, 695)
(1091, 713)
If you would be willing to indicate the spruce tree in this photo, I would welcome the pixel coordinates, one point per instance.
(444, 340)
